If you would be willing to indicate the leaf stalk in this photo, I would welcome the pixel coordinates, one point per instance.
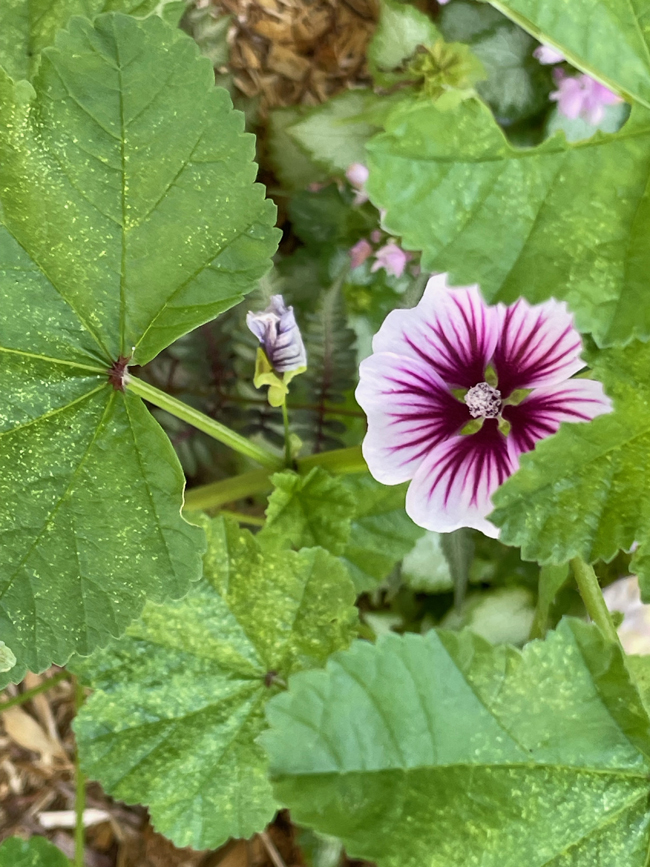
(592, 596)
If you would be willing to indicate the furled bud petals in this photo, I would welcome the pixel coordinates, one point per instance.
(548, 55)
(582, 96)
(278, 333)
(455, 391)
(360, 252)
(392, 258)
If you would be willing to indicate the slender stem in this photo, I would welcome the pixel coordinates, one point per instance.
(341, 462)
(203, 423)
(592, 596)
(80, 793)
(36, 690)
(287, 435)
(217, 494)
(270, 847)
(252, 520)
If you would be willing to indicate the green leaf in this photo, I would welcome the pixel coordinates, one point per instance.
(305, 511)
(597, 474)
(640, 668)
(29, 26)
(402, 29)
(425, 568)
(551, 580)
(108, 241)
(335, 134)
(293, 167)
(36, 852)
(471, 754)
(517, 85)
(614, 47)
(181, 697)
(560, 220)
(381, 534)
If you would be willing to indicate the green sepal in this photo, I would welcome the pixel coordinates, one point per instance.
(491, 376)
(504, 426)
(472, 427)
(517, 396)
(278, 383)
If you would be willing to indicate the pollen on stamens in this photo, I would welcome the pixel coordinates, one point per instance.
(118, 372)
(483, 401)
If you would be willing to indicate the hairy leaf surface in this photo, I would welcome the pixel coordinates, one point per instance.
(584, 491)
(460, 754)
(609, 39)
(29, 26)
(109, 246)
(35, 852)
(180, 699)
(305, 511)
(381, 533)
(569, 221)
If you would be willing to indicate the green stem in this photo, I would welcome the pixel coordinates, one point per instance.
(592, 596)
(36, 690)
(80, 793)
(203, 423)
(217, 494)
(252, 520)
(287, 434)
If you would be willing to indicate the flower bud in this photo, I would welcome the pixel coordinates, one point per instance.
(282, 352)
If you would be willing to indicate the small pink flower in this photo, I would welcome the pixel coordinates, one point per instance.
(357, 175)
(443, 2)
(360, 252)
(375, 236)
(582, 96)
(392, 258)
(452, 341)
(547, 55)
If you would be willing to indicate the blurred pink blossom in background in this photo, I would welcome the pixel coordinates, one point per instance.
(357, 175)
(582, 96)
(392, 258)
(360, 252)
(547, 55)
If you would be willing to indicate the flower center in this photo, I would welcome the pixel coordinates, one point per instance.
(483, 401)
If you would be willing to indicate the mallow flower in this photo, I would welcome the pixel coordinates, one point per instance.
(357, 175)
(548, 55)
(456, 390)
(282, 354)
(391, 258)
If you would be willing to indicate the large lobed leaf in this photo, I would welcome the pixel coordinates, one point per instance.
(36, 852)
(29, 26)
(609, 39)
(569, 221)
(129, 215)
(180, 700)
(460, 754)
(597, 474)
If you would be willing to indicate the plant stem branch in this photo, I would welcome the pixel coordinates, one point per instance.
(36, 690)
(287, 434)
(80, 793)
(217, 494)
(203, 423)
(270, 847)
(252, 520)
(593, 598)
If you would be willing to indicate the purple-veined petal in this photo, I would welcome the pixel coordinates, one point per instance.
(409, 410)
(277, 330)
(541, 413)
(538, 346)
(453, 485)
(452, 330)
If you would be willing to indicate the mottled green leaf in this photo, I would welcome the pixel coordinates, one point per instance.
(179, 701)
(551, 581)
(584, 492)
(36, 852)
(29, 26)
(569, 221)
(335, 134)
(402, 29)
(381, 534)
(129, 215)
(291, 164)
(609, 39)
(305, 511)
(517, 85)
(459, 754)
